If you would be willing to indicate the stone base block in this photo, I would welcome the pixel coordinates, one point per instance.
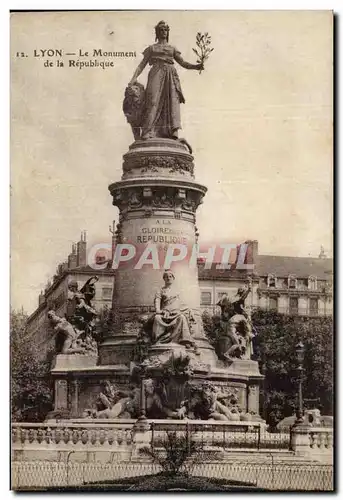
(66, 362)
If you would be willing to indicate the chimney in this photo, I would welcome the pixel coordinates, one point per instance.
(322, 254)
(72, 258)
(41, 298)
(81, 260)
(252, 252)
(64, 266)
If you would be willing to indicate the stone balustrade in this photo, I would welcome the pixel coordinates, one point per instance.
(122, 436)
(87, 433)
(316, 442)
(321, 439)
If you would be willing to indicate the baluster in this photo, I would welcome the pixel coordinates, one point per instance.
(15, 434)
(66, 435)
(93, 436)
(120, 437)
(40, 435)
(48, 435)
(75, 436)
(311, 439)
(24, 435)
(110, 437)
(97, 437)
(329, 440)
(58, 435)
(322, 440)
(84, 436)
(102, 436)
(115, 438)
(32, 435)
(314, 441)
(128, 437)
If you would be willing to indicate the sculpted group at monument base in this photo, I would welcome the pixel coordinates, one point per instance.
(155, 360)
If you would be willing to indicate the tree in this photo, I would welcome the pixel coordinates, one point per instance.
(31, 391)
(274, 346)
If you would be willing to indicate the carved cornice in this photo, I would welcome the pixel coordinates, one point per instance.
(158, 163)
(150, 198)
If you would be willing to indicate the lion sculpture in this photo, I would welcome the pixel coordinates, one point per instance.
(133, 107)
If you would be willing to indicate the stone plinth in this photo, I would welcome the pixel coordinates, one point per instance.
(75, 362)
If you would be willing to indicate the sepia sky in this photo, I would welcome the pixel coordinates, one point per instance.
(259, 119)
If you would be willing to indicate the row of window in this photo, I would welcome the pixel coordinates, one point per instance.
(290, 282)
(293, 307)
(206, 298)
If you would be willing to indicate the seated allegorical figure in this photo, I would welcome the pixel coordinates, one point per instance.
(170, 323)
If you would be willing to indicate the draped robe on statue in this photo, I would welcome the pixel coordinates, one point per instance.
(163, 93)
(172, 327)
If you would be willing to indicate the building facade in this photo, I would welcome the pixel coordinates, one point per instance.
(289, 285)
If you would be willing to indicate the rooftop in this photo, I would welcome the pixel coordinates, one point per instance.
(301, 267)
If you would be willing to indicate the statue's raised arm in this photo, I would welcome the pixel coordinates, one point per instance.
(155, 111)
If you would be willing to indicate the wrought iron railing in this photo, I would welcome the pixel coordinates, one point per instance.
(224, 436)
(269, 473)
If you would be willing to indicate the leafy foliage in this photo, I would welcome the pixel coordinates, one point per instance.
(203, 42)
(274, 346)
(31, 391)
(274, 349)
(178, 453)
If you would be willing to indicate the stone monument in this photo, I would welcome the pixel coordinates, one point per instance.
(156, 360)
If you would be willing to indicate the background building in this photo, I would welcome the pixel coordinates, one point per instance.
(290, 285)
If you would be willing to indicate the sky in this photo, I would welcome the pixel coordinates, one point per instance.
(259, 119)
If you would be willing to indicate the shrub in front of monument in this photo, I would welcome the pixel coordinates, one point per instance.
(178, 453)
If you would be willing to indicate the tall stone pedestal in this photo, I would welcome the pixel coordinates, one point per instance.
(157, 199)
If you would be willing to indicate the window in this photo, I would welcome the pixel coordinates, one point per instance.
(107, 293)
(312, 283)
(273, 303)
(206, 298)
(271, 281)
(293, 305)
(292, 281)
(314, 307)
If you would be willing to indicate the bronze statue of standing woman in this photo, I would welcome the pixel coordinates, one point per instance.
(160, 112)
